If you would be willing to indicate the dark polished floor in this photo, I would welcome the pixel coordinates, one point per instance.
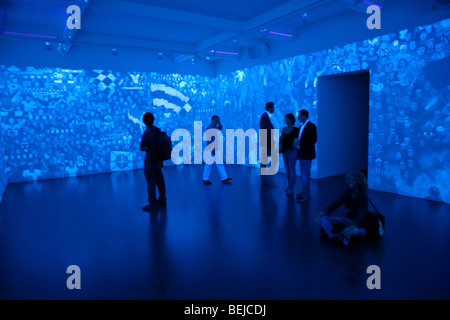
(215, 242)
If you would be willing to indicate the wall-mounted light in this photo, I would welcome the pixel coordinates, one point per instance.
(266, 33)
(114, 52)
(305, 18)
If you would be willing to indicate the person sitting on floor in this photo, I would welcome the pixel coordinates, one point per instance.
(356, 203)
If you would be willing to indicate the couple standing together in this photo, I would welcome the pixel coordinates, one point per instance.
(296, 143)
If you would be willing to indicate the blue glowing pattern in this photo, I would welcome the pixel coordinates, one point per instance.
(3, 179)
(59, 123)
(409, 130)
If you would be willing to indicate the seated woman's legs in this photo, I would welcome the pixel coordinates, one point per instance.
(338, 227)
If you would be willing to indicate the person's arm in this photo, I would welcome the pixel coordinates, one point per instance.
(144, 141)
(336, 204)
(332, 207)
(296, 133)
(282, 138)
(359, 215)
(264, 122)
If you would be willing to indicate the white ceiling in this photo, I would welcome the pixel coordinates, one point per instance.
(179, 29)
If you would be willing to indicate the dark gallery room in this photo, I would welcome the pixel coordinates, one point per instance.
(240, 152)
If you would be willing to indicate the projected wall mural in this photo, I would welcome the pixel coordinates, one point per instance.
(3, 179)
(58, 123)
(409, 134)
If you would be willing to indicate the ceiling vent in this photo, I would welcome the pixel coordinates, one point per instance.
(257, 51)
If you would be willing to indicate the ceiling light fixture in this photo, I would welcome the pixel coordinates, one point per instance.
(179, 57)
(373, 4)
(265, 31)
(183, 57)
(225, 52)
(29, 35)
(281, 34)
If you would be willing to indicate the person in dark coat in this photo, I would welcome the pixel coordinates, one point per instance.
(306, 145)
(266, 124)
(152, 167)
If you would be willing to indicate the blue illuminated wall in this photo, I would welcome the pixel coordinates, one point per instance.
(3, 179)
(59, 123)
(409, 117)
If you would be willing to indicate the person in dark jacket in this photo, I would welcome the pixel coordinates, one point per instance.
(152, 167)
(266, 124)
(356, 204)
(266, 145)
(306, 145)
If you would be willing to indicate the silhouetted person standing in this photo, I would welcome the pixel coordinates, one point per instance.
(306, 153)
(266, 124)
(152, 168)
(290, 155)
